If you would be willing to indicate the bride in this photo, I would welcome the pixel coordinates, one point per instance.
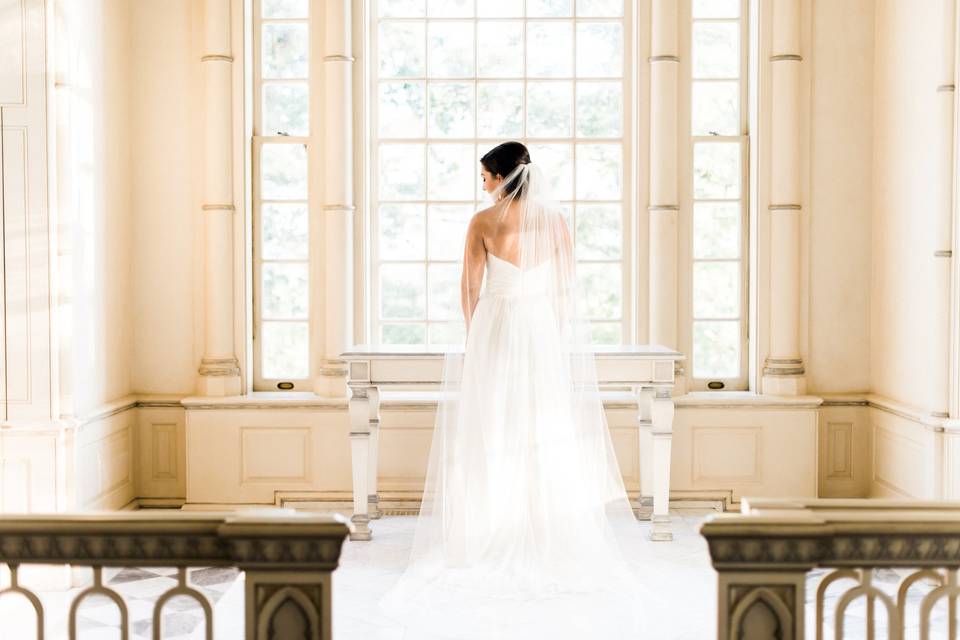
(525, 530)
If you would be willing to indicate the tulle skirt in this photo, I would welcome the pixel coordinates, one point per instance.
(525, 530)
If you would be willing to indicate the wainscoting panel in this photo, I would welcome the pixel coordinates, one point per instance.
(845, 437)
(29, 471)
(753, 451)
(161, 453)
(104, 459)
(904, 457)
(246, 456)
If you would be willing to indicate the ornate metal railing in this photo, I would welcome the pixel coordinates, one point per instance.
(894, 561)
(287, 557)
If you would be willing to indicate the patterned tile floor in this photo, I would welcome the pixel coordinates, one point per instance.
(368, 569)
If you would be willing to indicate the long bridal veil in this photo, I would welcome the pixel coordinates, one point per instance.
(525, 530)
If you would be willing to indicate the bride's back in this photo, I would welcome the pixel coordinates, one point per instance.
(501, 231)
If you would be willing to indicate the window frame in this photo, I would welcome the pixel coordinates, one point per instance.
(372, 322)
(688, 141)
(314, 221)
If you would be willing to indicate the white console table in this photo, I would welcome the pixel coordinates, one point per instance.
(647, 371)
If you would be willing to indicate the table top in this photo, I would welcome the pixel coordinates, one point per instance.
(366, 351)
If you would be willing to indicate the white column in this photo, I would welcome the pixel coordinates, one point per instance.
(219, 370)
(942, 254)
(784, 373)
(338, 205)
(664, 203)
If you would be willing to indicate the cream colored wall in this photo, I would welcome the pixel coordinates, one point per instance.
(904, 163)
(166, 102)
(841, 131)
(93, 165)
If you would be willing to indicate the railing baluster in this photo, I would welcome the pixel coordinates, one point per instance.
(182, 589)
(106, 591)
(26, 593)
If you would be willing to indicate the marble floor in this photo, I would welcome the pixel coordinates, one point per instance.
(680, 570)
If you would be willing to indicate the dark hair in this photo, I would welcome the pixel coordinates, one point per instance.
(503, 159)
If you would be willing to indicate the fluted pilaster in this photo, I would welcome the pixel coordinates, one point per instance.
(783, 373)
(338, 204)
(219, 370)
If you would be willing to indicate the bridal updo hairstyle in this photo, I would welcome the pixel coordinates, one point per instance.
(503, 159)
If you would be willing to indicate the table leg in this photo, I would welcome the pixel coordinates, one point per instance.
(359, 410)
(373, 498)
(662, 416)
(645, 444)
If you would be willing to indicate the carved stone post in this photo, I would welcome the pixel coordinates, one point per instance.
(941, 315)
(219, 370)
(664, 203)
(338, 205)
(784, 372)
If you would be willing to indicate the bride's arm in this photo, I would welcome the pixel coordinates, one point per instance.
(474, 260)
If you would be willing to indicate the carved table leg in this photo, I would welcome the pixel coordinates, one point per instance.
(360, 459)
(645, 443)
(373, 499)
(662, 417)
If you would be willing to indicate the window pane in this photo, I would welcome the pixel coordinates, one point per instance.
(716, 170)
(450, 8)
(599, 171)
(716, 289)
(548, 8)
(402, 113)
(716, 50)
(500, 49)
(452, 171)
(444, 298)
(451, 110)
(400, 8)
(286, 109)
(549, 109)
(402, 292)
(716, 108)
(499, 8)
(599, 8)
(400, 48)
(284, 8)
(599, 109)
(716, 230)
(401, 172)
(500, 109)
(606, 333)
(447, 228)
(402, 232)
(283, 172)
(716, 349)
(403, 334)
(285, 51)
(598, 235)
(285, 290)
(450, 52)
(601, 289)
(556, 160)
(286, 350)
(448, 333)
(599, 50)
(716, 8)
(549, 49)
(284, 232)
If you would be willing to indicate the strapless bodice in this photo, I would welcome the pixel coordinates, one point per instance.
(507, 279)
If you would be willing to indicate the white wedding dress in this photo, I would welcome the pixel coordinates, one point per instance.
(525, 530)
